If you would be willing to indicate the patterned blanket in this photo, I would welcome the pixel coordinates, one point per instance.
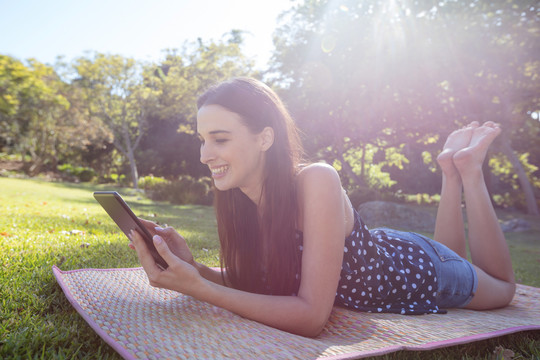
(140, 321)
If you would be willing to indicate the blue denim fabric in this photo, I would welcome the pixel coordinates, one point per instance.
(456, 277)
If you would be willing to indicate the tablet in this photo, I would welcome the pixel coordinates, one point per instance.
(126, 220)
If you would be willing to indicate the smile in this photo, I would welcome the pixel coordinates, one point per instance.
(217, 171)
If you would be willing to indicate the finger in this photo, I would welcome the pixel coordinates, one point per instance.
(144, 221)
(150, 225)
(163, 250)
(145, 258)
(165, 230)
(169, 234)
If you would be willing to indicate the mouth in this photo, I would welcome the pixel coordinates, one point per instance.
(219, 171)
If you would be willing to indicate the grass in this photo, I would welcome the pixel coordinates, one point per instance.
(44, 224)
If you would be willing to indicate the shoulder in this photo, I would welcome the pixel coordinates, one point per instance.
(317, 176)
(317, 170)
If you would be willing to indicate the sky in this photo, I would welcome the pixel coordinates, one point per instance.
(45, 29)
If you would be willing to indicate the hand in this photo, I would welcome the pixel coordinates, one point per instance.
(175, 242)
(179, 276)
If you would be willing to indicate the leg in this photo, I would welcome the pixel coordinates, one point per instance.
(449, 227)
(489, 250)
(492, 293)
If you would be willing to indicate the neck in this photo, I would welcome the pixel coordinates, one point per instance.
(254, 194)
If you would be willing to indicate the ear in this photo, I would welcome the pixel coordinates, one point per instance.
(266, 138)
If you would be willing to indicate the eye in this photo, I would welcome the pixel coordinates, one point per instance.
(221, 141)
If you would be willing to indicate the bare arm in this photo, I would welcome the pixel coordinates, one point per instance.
(212, 275)
(321, 205)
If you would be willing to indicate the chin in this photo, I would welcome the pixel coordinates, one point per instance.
(221, 186)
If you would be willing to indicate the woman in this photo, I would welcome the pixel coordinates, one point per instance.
(292, 246)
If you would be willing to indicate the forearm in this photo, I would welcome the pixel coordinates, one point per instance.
(289, 313)
(210, 274)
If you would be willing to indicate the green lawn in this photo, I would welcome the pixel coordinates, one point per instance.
(44, 224)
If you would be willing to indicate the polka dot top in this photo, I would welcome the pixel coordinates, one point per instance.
(384, 273)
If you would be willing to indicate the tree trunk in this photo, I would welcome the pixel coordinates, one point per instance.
(526, 187)
(130, 152)
(133, 166)
(363, 162)
(488, 179)
(346, 167)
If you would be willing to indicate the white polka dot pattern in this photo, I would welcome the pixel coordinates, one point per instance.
(385, 273)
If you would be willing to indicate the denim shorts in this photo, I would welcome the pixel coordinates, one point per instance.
(456, 277)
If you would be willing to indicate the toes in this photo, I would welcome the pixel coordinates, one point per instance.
(491, 124)
(490, 127)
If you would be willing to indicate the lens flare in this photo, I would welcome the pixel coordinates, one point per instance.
(328, 43)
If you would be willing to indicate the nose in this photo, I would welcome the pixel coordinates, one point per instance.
(206, 153)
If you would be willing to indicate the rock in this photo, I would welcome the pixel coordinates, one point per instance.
(394, 215)
(515, 225)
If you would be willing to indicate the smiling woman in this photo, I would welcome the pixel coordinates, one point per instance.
(258, 163)
(292, 246)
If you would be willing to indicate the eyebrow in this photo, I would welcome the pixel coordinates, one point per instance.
(215, 132)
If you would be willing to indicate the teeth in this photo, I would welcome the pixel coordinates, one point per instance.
(219, 170)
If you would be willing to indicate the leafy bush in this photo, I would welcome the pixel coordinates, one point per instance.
(119, 179)
(79, 173)
(156, 188)
(510, 200)
(362, 194)
(187, 190)
(184, 190)
(151, 181)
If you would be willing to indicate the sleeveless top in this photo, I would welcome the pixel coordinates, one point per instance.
(385, 273)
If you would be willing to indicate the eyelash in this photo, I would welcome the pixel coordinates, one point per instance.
(219, 141)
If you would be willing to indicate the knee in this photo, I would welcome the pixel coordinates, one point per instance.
(492, 294)
(507, 294)
(502, 295)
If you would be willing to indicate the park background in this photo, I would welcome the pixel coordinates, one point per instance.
(375, 87)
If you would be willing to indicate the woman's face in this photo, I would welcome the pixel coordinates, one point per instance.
(234, 155)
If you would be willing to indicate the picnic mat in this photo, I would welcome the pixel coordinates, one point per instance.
(140, 321)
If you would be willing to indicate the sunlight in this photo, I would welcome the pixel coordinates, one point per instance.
(388, 34)
(390, 23)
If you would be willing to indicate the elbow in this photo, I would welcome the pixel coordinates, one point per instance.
(313, 331)
(312, 326)
(311, 319)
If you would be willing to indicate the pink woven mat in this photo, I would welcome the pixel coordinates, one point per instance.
(140, 321)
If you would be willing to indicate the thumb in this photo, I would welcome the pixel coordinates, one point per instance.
(163, 249)
(167, 232)
(164, 230)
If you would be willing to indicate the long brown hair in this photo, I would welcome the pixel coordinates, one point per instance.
(247, 244)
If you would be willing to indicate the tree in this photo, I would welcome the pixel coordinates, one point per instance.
(170, 147)
(31, 107)
(386, 73)
(355, 77)
(497, 80)
(115, 93)
(89, 142)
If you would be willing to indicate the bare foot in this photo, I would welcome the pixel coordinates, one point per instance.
(470, 158)
(456, 141)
